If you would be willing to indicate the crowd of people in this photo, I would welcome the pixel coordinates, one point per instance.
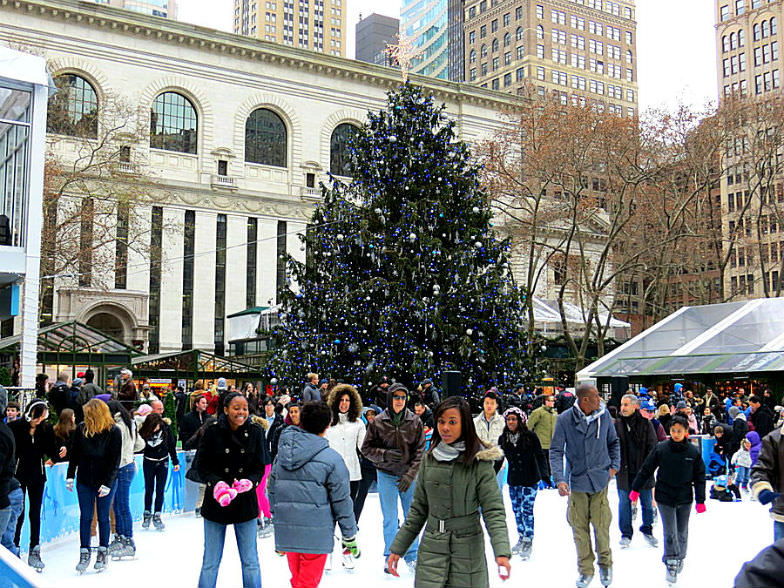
(299, 465)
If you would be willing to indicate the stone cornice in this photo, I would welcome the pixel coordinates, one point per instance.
(169, 31)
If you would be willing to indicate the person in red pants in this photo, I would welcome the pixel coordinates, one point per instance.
(307, 476)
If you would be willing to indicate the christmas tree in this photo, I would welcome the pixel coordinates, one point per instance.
(403, 275)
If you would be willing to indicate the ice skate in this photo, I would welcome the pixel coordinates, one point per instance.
(525, 549)
(328, 564)
(147, 519)
(348, 560)
(605, 576)
(634, 511)
(518, 546)
(101, 559)
(265, 528)
(672, 572)
(652, 541)
(584, 580)
(197, 513)
(157, 522)
(126, 551)
(84, 560)
(625, 542)
(34, 559)
(115, 544)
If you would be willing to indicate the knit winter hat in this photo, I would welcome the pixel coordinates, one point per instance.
(144, 410)
(521, 416)
(733, 412)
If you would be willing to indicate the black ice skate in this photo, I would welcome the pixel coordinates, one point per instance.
(34, 559)
(146, 520)
(84, 560)
(101, 559)
(157, 522)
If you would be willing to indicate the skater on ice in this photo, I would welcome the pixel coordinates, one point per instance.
(159, 446)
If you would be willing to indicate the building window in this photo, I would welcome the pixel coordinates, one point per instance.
(494, 84)
(539, 11)
(339, 160)
(520, 73)
(519, 34)
(740, 7)
(540, 32)
(156, 240)
(494, 26)
(507, 39)
(188, 253)
(518, 13)
(507, 58)
(482, 31)
(742, 38)
(250, 266)
(495, 63)
(495, 45)
(280, 276)
(173, 123)
(220, 284)
(506, 19)
(483, 51)
(472, 56)
(520, 52)
(121, 247)
(73, 109)
(87, 220)
(755, 32)
(266, 140)
(472, 37)
(507, 79)
(724, 12)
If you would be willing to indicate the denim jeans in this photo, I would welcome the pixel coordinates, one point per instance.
(743, 475)
(388, 494)
(214, 538)
(7, 530)
(500, 478)
(122, 500)
(625, 512)
(88, 497)
(778, 530)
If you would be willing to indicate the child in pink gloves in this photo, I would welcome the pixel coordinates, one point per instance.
(679, 481)
(231, 459)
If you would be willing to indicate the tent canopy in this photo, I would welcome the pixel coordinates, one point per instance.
(74, 343)
(546, 312)
(726, 338)
(193, 364)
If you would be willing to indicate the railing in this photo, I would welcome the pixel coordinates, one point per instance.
(226, 182)
(126, 167)
(14, 573)
(21, 395)
(311, 192)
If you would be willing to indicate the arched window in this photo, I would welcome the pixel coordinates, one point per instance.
(733, 41)
(629, 57)
(774, 27)
(725, 44)
(742, 38)
(756, 31)
(765, 29)
(173, 123)
(472, 56)
(495, 45)
(266, 139)
(507, 39)
(519, 34)
(338, 149)
(73, 109)
(484, 51)
(539, 32)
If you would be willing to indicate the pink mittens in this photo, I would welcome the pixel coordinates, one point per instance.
(223, 493)
(700, 508)
(634, 495)
(243, 485)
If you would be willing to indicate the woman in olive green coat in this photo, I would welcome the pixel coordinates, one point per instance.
(456, 480)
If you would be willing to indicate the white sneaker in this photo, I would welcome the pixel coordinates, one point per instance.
(348, 559)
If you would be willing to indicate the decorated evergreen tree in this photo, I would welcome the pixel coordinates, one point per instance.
(403, 275)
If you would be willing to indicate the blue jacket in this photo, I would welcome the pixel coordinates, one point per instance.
(308, 490)
(591, 447)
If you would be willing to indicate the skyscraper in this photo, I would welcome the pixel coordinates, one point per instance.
(436, 29)
(164, 8)
(309, 24)
(583, 51)
(373, 34)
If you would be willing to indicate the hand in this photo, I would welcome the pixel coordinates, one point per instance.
(392, 564)
(563, 489)
(503, 562)
(223, 493)
(62, 453)
(351, 545)
(393, 455)
(404, 484)
(103, 491)
(768, 496)
(49, 463)
(700, 507)
(612, 473)
(69, 484)
(176, 468)
(243, 485)
(634, 496)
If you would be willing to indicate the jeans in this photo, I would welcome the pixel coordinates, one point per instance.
(88, 498)
(35, 494)
(675, 524)
(368, 477)
(625, 512)
(742, 478)
(778, 530)
(214, 538)
(388, 494)
(523, 498)
(8, 530)
(500, 478)
(155, 474)
(122, 500)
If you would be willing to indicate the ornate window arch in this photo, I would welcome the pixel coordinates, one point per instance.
(338, 149)
(174, 125)
(73, 109)
(507, 39)
(495, 45)
(266, 138)
(519, 34)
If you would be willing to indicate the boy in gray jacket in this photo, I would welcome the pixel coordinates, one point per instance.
(308, 490)
(586, 436)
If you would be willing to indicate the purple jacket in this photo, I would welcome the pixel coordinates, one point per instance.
(756, 445)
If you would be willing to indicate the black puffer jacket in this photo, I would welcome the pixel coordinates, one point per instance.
(768, 472)
(32, 450)
(7, 462)
(764, 570)
(526, 459)
(95, 460)
(226, 455)
(680, 469)
(190, 423)
(637, 439)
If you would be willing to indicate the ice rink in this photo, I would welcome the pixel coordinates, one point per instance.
(727, 535)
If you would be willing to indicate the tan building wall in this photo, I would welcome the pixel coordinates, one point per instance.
(319, 25)
(579, 50)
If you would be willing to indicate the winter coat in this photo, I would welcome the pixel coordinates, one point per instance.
(680, 469)
(273, 434)
(742, 458)
(526, 459)
(707, 425)
(756, 445)
(489, 432)
(224, 456)
(448, 499)
(346, 438)
(7, 463)
(161, 445)
(739, 427)
(768, 472)
(633, 451)
(764, 569)
(430, 396)
(95, 460)
(310, 393)
(564, 402)
(726, 445)
(60, 398)
(591, 447)
(542, 422)
(127, 395)
(657, 427)
(408, 437)
(132, 442)
(191, 423)
(762, 420)
(309, 491)
(32, 450)
(427, 418)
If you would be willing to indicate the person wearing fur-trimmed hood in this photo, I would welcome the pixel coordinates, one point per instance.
(455, 486)
(346, 432)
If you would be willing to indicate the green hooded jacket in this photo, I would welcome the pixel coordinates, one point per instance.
(542, 422)
(447, 500)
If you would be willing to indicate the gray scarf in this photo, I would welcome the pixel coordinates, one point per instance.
(446, 452)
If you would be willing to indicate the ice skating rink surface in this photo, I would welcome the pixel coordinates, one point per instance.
(720, 540)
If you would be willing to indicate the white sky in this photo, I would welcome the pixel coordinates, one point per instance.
(675, 44)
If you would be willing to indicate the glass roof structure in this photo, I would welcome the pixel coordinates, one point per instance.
(194, 364)
(736, 337)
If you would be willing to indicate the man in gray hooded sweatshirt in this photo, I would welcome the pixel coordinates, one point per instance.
(586, 437)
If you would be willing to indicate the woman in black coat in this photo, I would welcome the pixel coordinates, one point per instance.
(230, 461)
(527, 466)
(35, 442)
